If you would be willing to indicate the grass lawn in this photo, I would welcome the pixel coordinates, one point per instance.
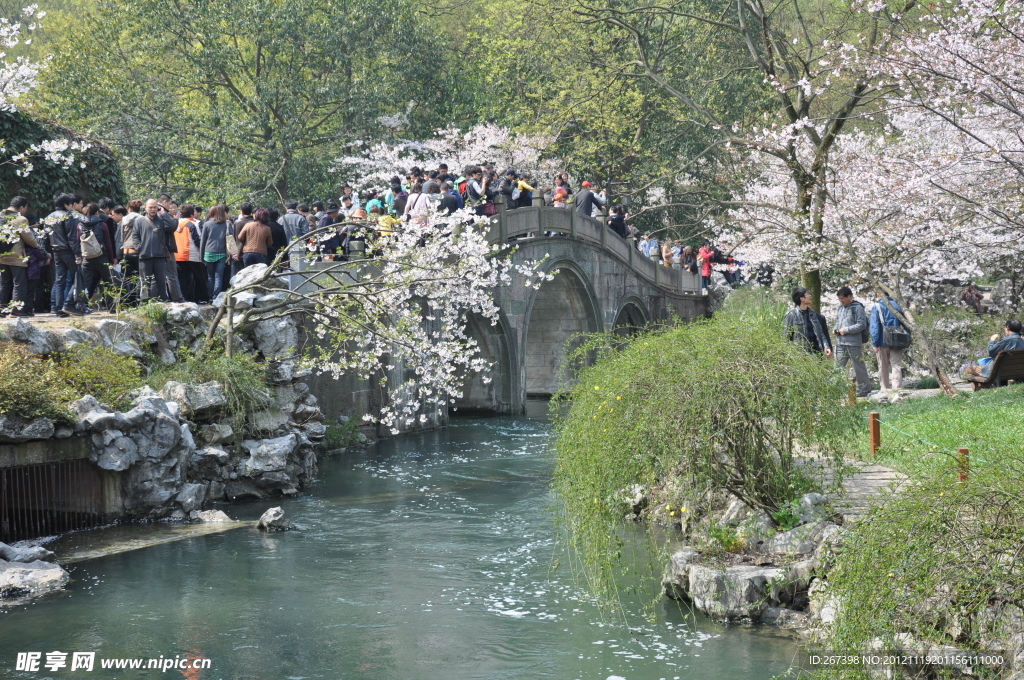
(990, 423)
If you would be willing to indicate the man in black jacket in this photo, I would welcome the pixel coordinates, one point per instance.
(806, 326)
(63, 223)
(586, 199)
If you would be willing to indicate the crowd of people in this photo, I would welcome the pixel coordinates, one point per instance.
(882, 327)
(87, 255)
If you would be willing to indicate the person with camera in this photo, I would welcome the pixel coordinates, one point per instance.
(850, 331)
(150, 233)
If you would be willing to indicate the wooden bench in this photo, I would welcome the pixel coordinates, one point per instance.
(1008, 365)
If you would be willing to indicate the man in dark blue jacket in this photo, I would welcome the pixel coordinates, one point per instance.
(1011, 340)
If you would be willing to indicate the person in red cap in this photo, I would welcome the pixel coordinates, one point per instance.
(586, 199)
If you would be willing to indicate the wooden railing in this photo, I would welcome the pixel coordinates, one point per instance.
(521, 222)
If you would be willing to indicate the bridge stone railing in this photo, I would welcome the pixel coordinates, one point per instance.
(520, 222)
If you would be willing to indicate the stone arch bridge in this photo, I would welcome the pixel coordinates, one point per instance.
(602, 284)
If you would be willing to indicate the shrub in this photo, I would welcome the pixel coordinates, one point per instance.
(720, 405)
(90, 369)
(31, 386)
(243, 378)
(941, 561)
(341, 436)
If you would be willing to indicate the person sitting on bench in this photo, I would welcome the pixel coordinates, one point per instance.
(1011, 340)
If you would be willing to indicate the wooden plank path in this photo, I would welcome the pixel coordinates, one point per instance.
(863, 486)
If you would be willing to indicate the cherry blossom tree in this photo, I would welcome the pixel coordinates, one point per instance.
(373, 164)
(401, 313)
(817, 62)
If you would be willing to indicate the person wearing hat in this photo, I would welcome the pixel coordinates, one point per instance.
(507, 188)
(586, 200)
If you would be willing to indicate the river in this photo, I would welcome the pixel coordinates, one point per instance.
(427, 556)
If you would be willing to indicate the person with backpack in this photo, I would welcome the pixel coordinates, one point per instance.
(851, 333)
(888, 345)
(150, 234)
(15, 245)
(96, 252)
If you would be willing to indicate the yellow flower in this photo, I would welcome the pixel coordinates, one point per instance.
(596, 387)
(620, 399)
(668, 507)
(892, 575)
(682, 509)
(672, 514)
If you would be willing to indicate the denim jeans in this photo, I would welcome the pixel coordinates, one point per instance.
(249, 259)
(215, 276)
(65, 280)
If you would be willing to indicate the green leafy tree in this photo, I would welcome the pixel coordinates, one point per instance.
(241, 99)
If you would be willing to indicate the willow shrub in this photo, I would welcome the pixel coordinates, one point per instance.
(941, 562)
(718, 405)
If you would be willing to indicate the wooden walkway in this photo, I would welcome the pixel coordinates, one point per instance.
(863, 486)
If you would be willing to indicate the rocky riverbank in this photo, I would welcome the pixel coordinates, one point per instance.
(780, 578)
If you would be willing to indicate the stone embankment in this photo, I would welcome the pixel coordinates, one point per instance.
(174, 450)
(780, 578)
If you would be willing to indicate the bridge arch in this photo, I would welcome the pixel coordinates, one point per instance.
(561, 309)
(632, 315)
(495, 390)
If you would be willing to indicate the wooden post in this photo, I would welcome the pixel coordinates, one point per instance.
(874, 432)
(229, 336)
(852, 394)
(963, 461)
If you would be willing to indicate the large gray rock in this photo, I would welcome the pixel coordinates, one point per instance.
(811, 507)
(212, 516)
(734, 592)
(251, 274)
(268, 420)
(718, 290)
(112, 450)
(755, 529)
(677, 580)
(801, 540)
(27, 553)
(67, 338)
(215, 433)
(207, 463)
(273, 520)
(38, 340)
(191, 497)
(118, 336)
(276, 338)
(245, 300)
(272, 299)
(197, 402)
(735, 513)
(183, 313)
(15, 429)
(32, 577)
(267, 455)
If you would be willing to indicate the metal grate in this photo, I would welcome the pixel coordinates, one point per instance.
(49, 498)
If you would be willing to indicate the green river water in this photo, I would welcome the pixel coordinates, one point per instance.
(427, 556)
